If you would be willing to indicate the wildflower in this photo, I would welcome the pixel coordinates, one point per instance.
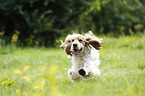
(3, 84)
(38, 85)
(53, 69)
(17, 32)
(17, 71)
(1, 33)
(36, 42)
(122, 27)
(25, 68)
(18, 91)
(57, 41)
(138, 26)
(14, 38)
(27, 78)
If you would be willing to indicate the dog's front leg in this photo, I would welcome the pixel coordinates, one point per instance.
(87, 71)
(73, 75)
(91, 70)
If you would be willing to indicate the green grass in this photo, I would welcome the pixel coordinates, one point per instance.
(43, 71)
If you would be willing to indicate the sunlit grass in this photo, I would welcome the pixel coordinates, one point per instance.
(43, 71)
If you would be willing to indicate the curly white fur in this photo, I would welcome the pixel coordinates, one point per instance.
(85, 57)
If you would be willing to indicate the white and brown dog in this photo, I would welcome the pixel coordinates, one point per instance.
(84, 53)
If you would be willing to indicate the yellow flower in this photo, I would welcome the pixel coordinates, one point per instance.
(57, 41)
(53, 69)
(1, 33)
(36, 42)
(17, 71)
(13, 40)
(25, 68)
(13, 37)
(17, 32)
(27, 78)
(122, 27)
(18, 91)
(138, 26)
(39, 85)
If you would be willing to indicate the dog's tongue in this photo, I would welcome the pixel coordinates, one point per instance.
(75, 52)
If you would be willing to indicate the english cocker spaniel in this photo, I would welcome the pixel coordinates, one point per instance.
(84, 53)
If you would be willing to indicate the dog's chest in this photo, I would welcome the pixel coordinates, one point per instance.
(79, 61)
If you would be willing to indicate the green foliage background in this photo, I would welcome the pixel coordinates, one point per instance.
(47, 20)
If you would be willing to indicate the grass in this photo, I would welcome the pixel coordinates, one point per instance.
(43, 71)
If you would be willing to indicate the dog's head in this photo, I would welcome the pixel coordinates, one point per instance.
(75, 43)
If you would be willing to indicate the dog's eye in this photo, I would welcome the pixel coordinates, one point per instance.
(73, 40)
(80, 40)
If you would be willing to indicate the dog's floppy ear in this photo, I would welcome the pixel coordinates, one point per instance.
(66, 48)
(94, 41)
(66, 45)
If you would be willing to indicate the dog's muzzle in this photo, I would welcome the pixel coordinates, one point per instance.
(76, 52)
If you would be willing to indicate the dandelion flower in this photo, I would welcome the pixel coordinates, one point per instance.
(27, 78)
(18, 91)
(25, 68)
(53, 69)
(37, 86)
(17, 71)
(57, 41)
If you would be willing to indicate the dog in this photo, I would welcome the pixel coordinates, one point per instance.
(83, 50)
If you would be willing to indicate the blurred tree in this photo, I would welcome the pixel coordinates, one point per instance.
(50, 19)
(46, 19)
(116, 15)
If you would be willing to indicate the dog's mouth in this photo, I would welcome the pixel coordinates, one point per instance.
(76, 52)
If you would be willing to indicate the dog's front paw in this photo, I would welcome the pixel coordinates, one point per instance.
(82, 72)
(73, 75)
(85, 74)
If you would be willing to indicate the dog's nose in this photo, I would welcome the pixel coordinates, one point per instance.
(75, 45)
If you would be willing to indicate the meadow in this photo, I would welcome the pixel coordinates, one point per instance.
(40, 71)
